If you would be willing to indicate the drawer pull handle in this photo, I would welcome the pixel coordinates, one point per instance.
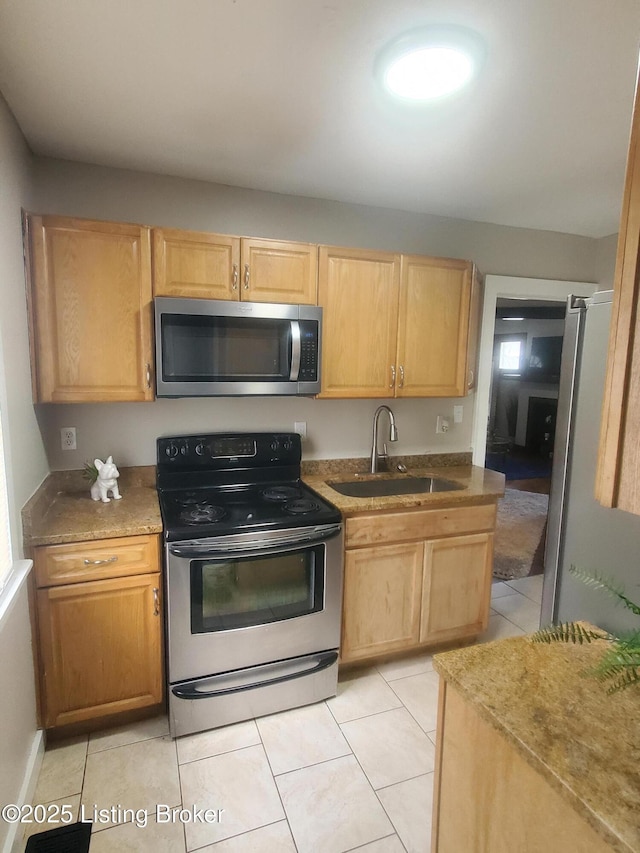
(234, 279)
(89, 562)
(148, 376)
(393, 376)
(246, 276)
(401, 377)
(156, 601)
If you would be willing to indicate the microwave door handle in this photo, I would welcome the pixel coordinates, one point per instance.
(295, 351)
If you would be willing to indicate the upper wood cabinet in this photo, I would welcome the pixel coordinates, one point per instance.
(618, 475)
(90, 310)
(358, 291)
(397, 326)
(217, 266)
(434, 357)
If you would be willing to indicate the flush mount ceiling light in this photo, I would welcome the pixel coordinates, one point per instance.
(429, 63)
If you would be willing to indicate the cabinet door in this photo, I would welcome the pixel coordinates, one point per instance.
(617, 480)
(90, 310)
(457, 587)
(358, 291)
(381, 611)
(196, 264)
(100, 645)
(435, 299)
(276, 271)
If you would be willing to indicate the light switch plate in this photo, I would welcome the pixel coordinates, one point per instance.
(301, 428)
(457, 414)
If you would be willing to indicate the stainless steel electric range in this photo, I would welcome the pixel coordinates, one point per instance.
(253, 566)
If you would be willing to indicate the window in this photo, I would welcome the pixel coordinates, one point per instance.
(509, 356)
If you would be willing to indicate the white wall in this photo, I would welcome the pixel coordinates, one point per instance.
(335, 428)
(26, 464)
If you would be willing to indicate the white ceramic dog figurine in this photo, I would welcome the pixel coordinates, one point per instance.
(107, 481)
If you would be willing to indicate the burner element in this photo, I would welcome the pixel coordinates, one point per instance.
(202, 514)
(301, 506)
(281, 493)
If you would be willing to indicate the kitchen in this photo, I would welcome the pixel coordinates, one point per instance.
(335, 428)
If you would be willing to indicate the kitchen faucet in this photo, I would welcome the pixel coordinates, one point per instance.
(393, 436)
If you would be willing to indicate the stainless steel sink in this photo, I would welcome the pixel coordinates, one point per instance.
(398, 486)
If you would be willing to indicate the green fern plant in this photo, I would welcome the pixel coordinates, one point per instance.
(620, 665)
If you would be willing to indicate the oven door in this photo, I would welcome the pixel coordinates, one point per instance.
(254, 598)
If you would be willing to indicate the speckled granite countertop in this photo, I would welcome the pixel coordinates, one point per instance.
(480, 485)
(62, 511)
(584, 743)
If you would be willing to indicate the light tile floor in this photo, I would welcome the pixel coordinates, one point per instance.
(352, 773)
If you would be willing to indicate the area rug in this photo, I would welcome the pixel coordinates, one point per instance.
(521, 529)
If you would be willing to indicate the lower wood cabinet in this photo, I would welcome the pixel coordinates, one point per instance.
(478, 771)
(433, 587)
(99, 637)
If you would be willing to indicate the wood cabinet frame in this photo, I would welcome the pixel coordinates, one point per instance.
(99, 629)
(409, 581)
(201, 265)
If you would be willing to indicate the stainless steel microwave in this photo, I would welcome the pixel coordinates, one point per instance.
(212, 348)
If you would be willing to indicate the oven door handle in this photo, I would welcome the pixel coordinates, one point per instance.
(188, 691)
(259, 546)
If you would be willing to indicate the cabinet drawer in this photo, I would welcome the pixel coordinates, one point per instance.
(407, 525)
(79, 562)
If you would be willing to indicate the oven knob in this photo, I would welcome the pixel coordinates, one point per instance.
(287, 444)
(171, 451)
(275, 445)
(200, 448)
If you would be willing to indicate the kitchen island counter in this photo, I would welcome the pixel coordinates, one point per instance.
(529, 706)
(61, 511)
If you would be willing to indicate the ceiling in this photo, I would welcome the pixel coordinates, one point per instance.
(279, 95)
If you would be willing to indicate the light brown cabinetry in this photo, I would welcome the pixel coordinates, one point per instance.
(618, 476)
(217, 266)
(99, 625)
(90, 310)
(415, 577)
(437, 329)
(478, 767)
(397, 325)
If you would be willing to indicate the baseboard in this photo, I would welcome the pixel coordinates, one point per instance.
(13, 842)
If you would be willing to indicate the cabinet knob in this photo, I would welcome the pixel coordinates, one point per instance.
(393, 376)
(401, 385)
(156, 601)
(246, 276)
(234, 278)
(89, 562)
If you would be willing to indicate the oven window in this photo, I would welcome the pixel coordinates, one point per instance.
(224, 349)
(239, 593)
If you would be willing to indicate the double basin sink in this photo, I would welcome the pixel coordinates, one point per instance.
(406, 485)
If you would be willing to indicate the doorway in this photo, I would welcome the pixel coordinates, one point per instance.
(515, 421)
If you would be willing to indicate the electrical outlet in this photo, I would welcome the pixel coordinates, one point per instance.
(457, 414)
(68, 438)
(301, 428)
(442, 424)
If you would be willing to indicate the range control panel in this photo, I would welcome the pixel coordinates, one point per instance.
(228, 450)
